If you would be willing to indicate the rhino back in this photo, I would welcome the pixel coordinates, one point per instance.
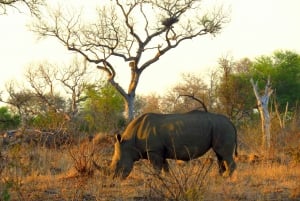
(181, 136)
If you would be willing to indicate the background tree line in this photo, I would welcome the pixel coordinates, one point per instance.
(56, 96)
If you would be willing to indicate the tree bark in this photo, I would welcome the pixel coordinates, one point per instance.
(262, 104)
(129, 108)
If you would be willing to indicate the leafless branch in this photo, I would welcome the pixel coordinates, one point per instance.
(32, 5)
(196, 99)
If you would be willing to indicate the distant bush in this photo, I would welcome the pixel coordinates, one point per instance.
(8, 120)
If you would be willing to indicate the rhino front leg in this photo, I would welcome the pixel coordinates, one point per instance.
(159, 163)
(166, 167)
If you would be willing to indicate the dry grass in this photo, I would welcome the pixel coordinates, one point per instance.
(35, 174)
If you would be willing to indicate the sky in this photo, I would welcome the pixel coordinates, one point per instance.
(256, 28)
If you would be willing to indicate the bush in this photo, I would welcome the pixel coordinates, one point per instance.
(184, 182)
(90, 154)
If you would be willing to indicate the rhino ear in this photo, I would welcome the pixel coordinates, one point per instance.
(118, 138)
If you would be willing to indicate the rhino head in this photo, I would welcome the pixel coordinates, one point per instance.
(123, 158)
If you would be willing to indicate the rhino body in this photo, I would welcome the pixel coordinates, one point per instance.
(186, 136)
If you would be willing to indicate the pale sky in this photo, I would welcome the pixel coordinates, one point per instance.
(257, 27)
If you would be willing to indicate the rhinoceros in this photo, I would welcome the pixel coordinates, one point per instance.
(185, 136)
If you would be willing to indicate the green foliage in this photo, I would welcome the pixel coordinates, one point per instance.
(103, 108)
(262, 68)
(49, 120)
(31, 106)
(242, 96)
(7, 119)
(235, 93)
(283, 67)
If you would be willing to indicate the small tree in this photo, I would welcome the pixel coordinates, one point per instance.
(23, 100)
(103, 108)
(48, 81)
(225, 88)
(54, 92)
(233, 88)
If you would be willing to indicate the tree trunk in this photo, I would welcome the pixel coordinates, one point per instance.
(262, 104)
(266, 124)
(129, 107)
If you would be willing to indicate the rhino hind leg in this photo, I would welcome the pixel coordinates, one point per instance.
(221, 164)
(226, 165)
(230, 167)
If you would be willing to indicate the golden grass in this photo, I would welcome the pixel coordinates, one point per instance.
(45, 174)
(261, 181)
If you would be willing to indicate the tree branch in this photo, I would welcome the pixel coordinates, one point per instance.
(196, 99)
(111, 77)
(32, 5)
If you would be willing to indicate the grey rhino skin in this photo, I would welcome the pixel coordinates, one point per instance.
(186, 136)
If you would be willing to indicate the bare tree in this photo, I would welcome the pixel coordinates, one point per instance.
(52, 88)
(21, 99)
(74, 79)
(262, 104)
(149, 103)
(138, 32)
(41, 78)
(49, 80)
(32, 5)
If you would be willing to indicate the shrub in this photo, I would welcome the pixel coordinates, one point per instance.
(184, 182)
(89, 153)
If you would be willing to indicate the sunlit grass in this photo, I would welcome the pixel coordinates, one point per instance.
(36, 173)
